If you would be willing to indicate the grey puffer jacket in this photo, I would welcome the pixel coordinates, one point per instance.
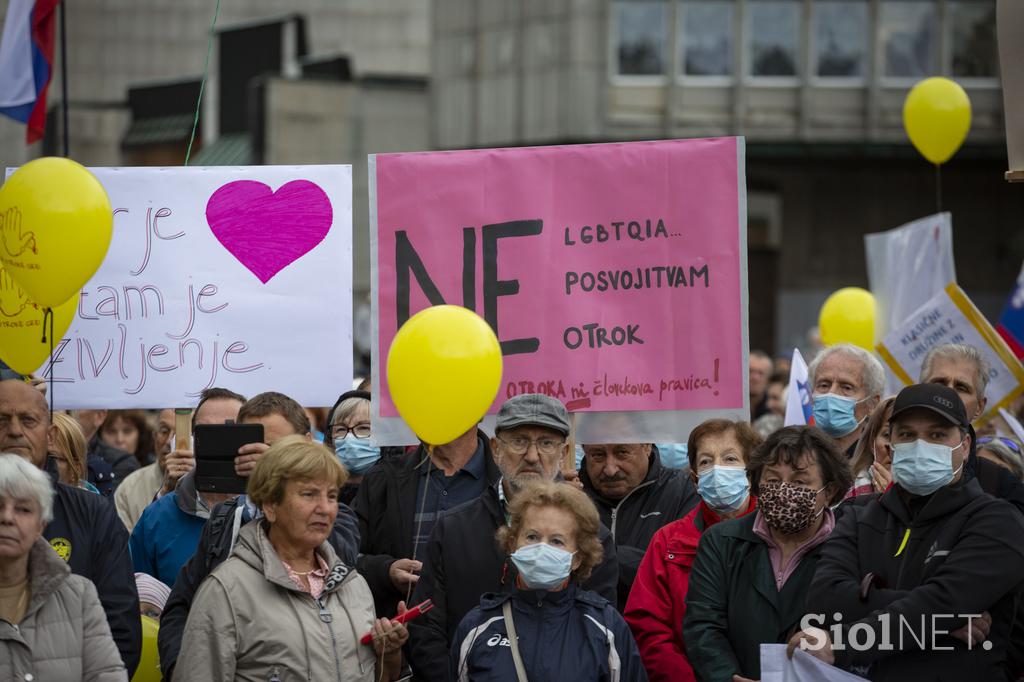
(64, 635)
(249, 622)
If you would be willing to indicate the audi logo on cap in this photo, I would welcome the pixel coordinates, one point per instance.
(948, 404)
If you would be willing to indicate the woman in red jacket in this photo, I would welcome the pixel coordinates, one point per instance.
(718, 451)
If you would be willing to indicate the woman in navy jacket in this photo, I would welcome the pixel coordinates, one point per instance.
(561, 632)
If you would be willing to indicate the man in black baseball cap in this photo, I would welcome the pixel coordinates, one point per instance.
(934, 554)
(930, 438)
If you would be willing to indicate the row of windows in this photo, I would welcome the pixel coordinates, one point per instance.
(907, 35)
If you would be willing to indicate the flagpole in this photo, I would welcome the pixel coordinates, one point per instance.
(64, 75)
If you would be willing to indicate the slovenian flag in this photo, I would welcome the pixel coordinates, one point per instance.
(26, 61)
(1011, 322)
(799, 410)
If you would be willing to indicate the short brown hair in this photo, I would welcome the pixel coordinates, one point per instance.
(70, 442)
(214, 393)
(790, 444)
(271, 402)
(561, 496)
(744, 432)
(137, 418)
(293, 458)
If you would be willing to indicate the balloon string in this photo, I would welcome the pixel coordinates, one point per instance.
(202, 83)
(419, 521)
(938, 188)
(48, 315)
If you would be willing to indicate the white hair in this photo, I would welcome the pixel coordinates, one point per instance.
(21, 480)
(958, 351)
(872, 372)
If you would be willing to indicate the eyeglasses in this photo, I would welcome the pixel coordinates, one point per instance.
(1008, 442)
(359, 431)
(520, 444)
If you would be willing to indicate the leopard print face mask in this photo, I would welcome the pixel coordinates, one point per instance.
(788, 508)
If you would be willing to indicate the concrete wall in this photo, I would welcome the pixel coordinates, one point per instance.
(311, 121)
(115, 43)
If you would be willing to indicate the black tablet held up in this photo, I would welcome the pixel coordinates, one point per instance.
(215, 447)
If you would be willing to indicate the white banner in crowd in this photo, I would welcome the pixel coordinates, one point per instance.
(235, 277)
(950, 317)
(906, 267)
(776, 666)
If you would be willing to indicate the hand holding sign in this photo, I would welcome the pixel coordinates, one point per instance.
(444, 369)
(57, 225)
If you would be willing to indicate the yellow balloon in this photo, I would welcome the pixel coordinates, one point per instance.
(937, 116)
(149, 664)
(21, 326)
(55, 228)
(444, 370)
(848, 316)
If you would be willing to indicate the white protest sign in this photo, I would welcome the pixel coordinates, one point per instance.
(776, 666)
(236, 277)
(950, 317)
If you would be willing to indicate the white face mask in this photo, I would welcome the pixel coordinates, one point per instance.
(921, 467)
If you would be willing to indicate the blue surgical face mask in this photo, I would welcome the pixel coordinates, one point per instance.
(541, 566)
(356, 454)
(833, 414)
(673, 455)
(921, 467)
(724, 489)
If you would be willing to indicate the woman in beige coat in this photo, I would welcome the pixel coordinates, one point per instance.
(52, 626)
(284, 606)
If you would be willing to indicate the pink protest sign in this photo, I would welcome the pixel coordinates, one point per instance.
(612, 274)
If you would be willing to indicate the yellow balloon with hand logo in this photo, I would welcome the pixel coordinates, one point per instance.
(55, 228)
(21, 326)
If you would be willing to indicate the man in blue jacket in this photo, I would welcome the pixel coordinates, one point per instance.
(85, 530)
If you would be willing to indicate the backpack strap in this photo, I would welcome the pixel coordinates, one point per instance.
(513, 640)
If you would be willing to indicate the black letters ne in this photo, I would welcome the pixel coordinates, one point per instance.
(407, 260)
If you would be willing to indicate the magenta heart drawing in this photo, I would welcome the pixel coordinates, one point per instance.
(265, 230)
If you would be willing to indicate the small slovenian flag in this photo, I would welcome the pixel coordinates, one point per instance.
(26, 60)
(1011, 322)
(799, 409)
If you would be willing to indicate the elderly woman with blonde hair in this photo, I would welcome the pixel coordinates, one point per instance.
(69, 449)
(547, 627)
(52, 625)
(284, 606)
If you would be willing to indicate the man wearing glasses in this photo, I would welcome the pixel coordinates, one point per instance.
(462, 559)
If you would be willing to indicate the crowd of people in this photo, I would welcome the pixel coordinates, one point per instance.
(887, 539)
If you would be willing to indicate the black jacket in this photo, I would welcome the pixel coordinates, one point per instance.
(664, 496)
(386, 506)
(123, 463)
(215, 544)
(461, 564)
(733, 605)
(963, 554)
(87, 533)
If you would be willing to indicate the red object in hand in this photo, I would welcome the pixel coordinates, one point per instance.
(403, 618)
